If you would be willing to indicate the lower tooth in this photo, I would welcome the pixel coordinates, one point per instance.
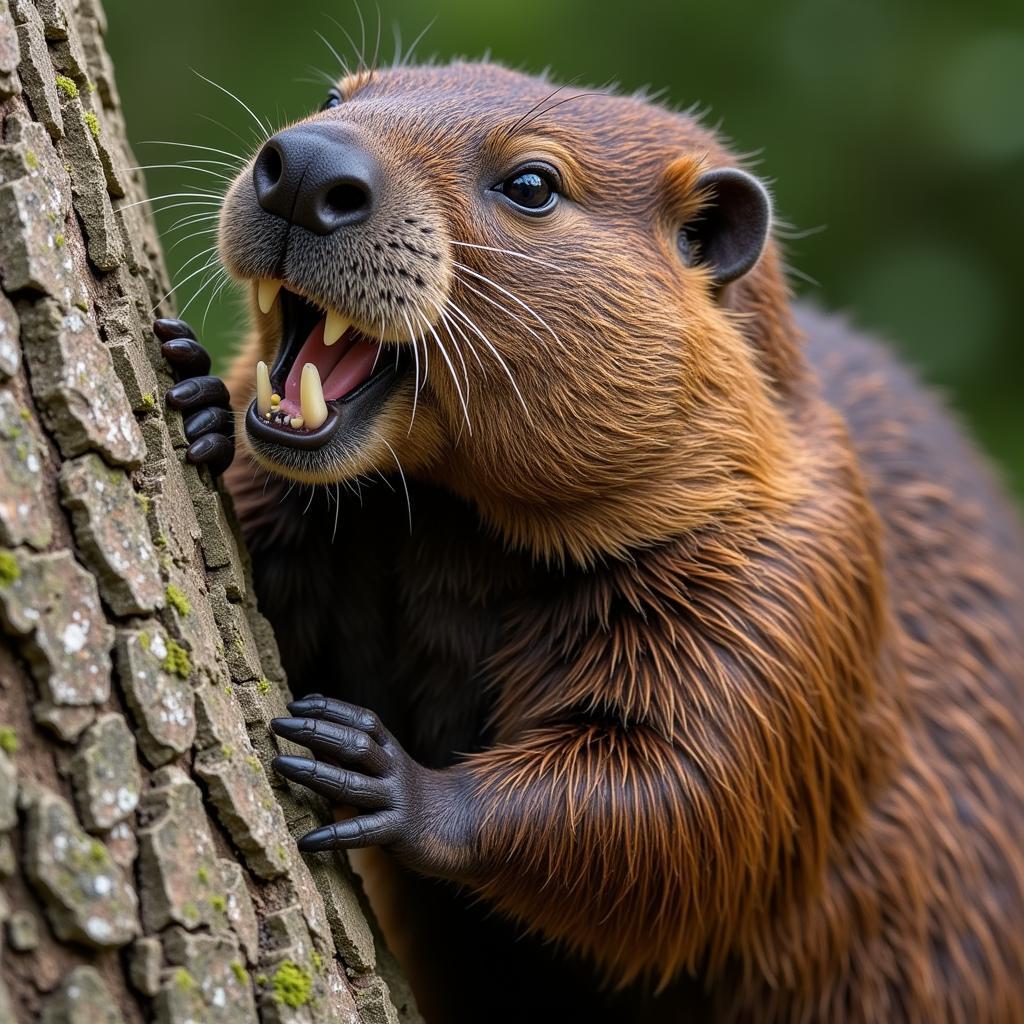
(311, 397)
(264, 398)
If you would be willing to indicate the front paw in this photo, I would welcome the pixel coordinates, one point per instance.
(200, 397)
(358, 763)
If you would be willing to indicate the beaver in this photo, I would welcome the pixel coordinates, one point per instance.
(664, 638)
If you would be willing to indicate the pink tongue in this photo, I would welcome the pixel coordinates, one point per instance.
(343, 366)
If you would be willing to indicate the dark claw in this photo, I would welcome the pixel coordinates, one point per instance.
(329, 710)
(187, 357)
(202, 398)
(193, 394)
(215, 451)
(208, 421)
(362, 830)
(339, 743)
(167, 328)
(336, 784)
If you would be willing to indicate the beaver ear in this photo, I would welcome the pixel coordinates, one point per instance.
(729, 232)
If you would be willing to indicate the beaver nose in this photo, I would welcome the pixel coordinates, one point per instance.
(312, 176)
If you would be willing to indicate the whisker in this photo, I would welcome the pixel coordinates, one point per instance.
(208, 251)
(362, 35)
(396, 33)
(507, 312)
(213, 296)
(451, 371)
(426, 358)
(376, 45)
(194, 273)
(468, 320)
(193, 234)
(416, 370)
(504, 291)
(178, 206)
(171, 195)
(337, 509)
(455, 346)
(465, 372)
(509, 132)
(412, 46)
(547, 110)
(385, 481)
(322, 77)
(312, 495)
(199, 291)
(180, 166)
(188, 219)
(401, 474)
(376, 358)
(265, 128)
(509, 252)
(342, 63)
(348, 36)
(802, 275)
(247, 143)
(462, 334)
(238, 160)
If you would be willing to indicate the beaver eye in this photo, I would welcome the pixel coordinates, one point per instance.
(333, 100)
(532, 189)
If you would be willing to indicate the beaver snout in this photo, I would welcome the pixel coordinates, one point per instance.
(317, 177)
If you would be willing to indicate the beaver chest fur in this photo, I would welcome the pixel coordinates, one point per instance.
(667, 640)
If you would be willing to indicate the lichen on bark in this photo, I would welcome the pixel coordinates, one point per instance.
(147, 856)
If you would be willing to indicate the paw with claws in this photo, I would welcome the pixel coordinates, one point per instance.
(200, 397)
(357, 763)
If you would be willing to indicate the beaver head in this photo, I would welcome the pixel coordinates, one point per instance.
(520, 293)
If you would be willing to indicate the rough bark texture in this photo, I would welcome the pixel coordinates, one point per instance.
(146, 851)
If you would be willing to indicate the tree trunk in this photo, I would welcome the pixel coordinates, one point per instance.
(146, 851)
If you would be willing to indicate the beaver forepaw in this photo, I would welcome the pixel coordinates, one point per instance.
(360, 764)
(200, 397)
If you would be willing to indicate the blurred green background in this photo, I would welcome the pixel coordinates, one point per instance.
(892, 131)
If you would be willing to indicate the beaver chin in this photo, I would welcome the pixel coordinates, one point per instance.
(327, 384)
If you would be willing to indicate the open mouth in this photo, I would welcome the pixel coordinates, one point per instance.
(326, 373)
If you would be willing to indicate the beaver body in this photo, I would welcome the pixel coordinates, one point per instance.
(919, 912)
(695, 659)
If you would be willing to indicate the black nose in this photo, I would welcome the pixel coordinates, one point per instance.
(313, 176)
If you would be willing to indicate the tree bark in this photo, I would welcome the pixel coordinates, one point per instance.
(147, 858)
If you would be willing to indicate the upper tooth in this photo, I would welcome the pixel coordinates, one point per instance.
(336, 326)
(266, 293)
(262, 388)
(311, 397)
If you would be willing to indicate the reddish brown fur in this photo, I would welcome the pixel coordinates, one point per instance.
(768, 730)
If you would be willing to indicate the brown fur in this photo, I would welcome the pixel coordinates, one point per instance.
(735, 656)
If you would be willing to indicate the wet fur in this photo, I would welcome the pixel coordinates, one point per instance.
(727, 633)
